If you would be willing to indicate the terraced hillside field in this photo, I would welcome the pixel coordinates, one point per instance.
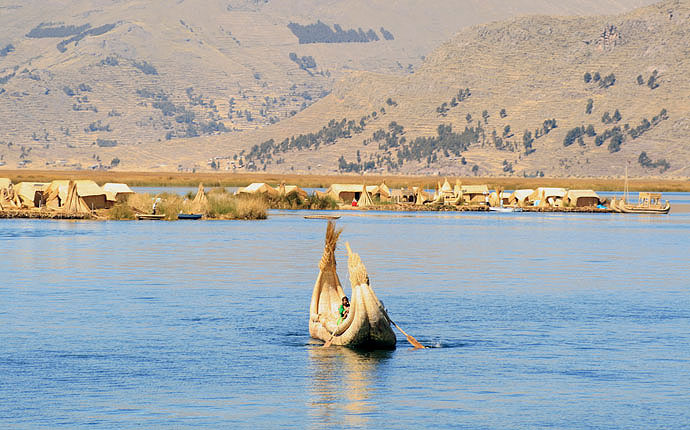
(532, 96)
(155, 84)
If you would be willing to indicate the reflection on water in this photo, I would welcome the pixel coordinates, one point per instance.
(343, 389)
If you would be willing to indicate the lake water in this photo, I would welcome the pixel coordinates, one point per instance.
(566, 321)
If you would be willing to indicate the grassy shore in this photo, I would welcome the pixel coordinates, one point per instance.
(163, 179)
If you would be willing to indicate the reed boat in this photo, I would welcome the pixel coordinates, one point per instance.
(150, 217)
(320, 216)
(367, 325)
(647, 203)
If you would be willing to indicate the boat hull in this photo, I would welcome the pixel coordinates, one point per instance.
(189, 216)
(149, 217)
(644, 210)
(367, 325)
(504, 209)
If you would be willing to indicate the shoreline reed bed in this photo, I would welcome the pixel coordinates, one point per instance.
(219, 205)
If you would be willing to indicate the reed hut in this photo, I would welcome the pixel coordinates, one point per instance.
(200, 202)
(475, 194)
(543, 196)
(284, 190)
(8, 198)
(403, 196)
(91, 194)
(73, 202)
(117, 192)
(582, 198)
(383, 193)
(346, 193)
(364, 198)
(258, 188)
(520, 197)
(422, 197)
(31, 193)
(504, 199)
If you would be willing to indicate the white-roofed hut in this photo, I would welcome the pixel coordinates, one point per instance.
(545, 196)
(520, 197)
(117, 192)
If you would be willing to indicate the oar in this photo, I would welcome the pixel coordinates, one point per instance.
(330, 341)
(410, 339)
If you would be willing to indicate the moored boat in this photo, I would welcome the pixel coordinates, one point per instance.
(320, 216)
(504, 209)
(150, 217)
(648, 203)
(367, 325)
(189, 216)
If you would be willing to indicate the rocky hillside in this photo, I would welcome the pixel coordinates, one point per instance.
(532, 96)
(157, 84)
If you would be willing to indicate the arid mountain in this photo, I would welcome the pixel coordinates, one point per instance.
(531, 96)
(160, 85)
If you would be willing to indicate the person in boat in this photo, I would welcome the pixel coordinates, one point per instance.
(344, 309)
(354, 202)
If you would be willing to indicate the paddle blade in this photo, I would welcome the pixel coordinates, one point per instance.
(414, 342)
(328, 342)
(410, 339)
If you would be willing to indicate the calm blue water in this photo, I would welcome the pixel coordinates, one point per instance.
(565, 321)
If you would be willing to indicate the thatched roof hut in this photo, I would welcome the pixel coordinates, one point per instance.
(404, 196)
(582, 198)
(383, 193)
(346, 193)
(8, 198)
(504, 198)
(258, 188)
(284, 190)
(544, 196)
(364, 198)
(117, 192)
(30, 193)
(74, 203)
(93, 196)
(520, 197)
(475, 194)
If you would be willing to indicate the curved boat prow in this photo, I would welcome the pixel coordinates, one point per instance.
(366, 325)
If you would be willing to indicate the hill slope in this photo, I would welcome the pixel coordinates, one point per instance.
(89, 81)
(531, 96)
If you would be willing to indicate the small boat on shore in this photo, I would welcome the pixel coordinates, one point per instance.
(367, 325)
(189, 216)
(504, 209)
(322, 217)
(150, 217)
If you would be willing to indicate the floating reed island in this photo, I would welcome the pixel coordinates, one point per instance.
(85, 199)
(458, 197)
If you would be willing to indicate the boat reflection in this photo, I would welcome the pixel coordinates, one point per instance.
(344, 384)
